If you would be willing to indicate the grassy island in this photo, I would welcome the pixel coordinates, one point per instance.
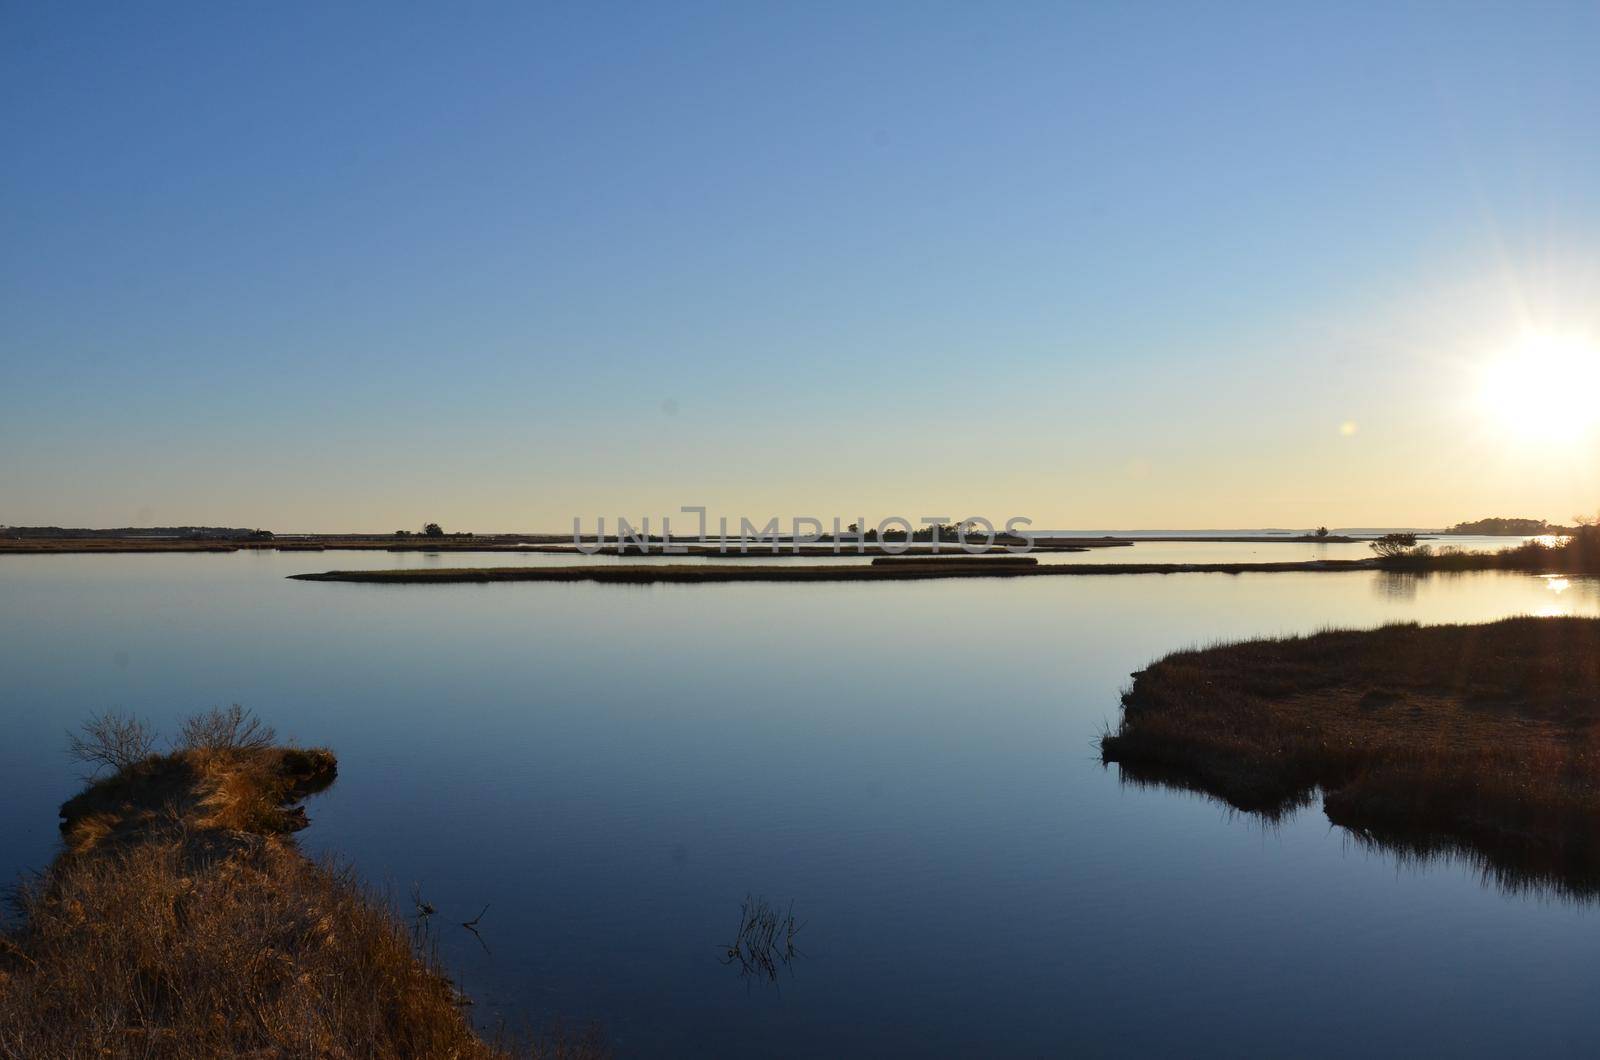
(180, 920)
(1481, 739)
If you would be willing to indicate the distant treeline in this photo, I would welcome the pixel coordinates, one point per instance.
(941, 531)
(1500, 526)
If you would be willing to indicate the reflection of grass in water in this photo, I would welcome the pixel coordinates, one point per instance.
(765, 940)
(1473, 740)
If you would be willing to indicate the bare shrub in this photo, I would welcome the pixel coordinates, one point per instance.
(111, 741)
(233, 729)
(1392, 546)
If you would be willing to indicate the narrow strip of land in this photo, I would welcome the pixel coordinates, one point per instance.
(644, 574)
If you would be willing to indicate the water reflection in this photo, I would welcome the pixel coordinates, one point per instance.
(1544, 595)
(1397, 585)
(1570, 874)
(1510, 865)
(765, 941)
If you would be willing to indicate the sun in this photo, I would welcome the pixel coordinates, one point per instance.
(1545, 388)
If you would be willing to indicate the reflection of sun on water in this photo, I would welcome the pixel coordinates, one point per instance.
(1543, 389)
(1561, 608)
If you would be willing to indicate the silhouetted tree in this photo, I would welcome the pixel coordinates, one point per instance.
(432, 530)
(1390, 546)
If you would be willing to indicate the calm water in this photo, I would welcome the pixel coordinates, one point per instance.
(612, 769)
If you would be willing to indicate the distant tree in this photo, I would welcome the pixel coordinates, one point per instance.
(402, 533)
(1322, 531)
(943, 531)
(432, 530)
(261, 535)
(1392, 546)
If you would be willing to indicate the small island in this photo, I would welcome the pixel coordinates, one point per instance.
(1504, 526)
(1482, 739)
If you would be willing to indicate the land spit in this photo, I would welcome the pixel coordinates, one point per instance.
(952, 567)
(1481, 739)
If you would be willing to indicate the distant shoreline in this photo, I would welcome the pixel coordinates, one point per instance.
(522, 543)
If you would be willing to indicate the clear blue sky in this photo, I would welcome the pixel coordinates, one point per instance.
(347, 266)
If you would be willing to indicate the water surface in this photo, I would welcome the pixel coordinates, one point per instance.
(613, 768)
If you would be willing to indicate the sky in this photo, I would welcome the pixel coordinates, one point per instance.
(360, 266)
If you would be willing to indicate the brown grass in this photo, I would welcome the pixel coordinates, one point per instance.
(1483, 739)
(181, 921)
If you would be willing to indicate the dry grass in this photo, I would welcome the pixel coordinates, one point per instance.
(181, 921)
(1478, 738)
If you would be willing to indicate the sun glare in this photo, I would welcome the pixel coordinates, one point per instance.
(1545, 389)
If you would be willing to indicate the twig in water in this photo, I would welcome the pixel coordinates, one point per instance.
(472, 926)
